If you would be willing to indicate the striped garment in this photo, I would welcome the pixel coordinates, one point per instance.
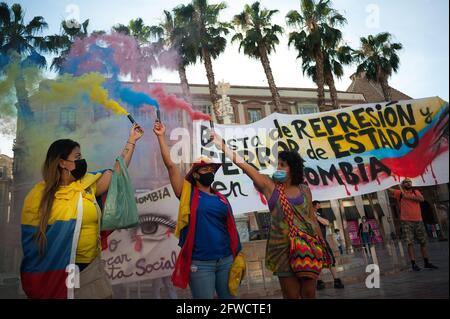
(288, 255)
(45, 277)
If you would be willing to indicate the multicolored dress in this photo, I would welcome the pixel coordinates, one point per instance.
(278, 244)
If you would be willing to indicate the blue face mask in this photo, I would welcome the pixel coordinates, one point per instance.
(279, 176)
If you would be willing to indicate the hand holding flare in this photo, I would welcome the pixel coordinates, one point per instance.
(159, 129)
(136, 127)
(135, 133)
(217, 140)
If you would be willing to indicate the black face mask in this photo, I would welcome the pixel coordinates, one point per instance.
(80, 169)
(206, 179)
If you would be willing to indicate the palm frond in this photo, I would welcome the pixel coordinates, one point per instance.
(5, 15)
(36, 25)
(293, 18)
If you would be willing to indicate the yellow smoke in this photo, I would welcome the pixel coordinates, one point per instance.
(68, 88)
(100, 95)
(8, 77)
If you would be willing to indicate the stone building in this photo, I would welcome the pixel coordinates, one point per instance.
(6, 178)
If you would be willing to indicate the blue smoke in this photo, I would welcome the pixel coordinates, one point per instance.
(107, 65)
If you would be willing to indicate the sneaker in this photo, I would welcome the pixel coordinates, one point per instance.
(415, 268)
(338, 283)
(320, 285)
(430, 266)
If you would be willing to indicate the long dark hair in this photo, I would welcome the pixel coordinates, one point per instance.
(51, 172)
(295, 163)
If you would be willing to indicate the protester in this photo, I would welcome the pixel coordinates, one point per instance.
(60, 224)
(292, 214)
(323, 224)
(411, 221)
(365, 233)
(337, 234)
(206, 228)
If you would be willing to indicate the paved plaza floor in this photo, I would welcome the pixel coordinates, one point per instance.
(405, 284)
(395, 282)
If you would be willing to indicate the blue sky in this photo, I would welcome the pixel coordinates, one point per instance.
(422, 26)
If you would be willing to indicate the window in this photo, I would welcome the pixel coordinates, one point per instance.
(67, 118)
(307, 108)
(2, 171)
(205, 108)
(254, 115)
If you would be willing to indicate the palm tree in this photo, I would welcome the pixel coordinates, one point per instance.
(258, 37)
(334, 59)
(22, 43)
(23, 40)
(70, 31)
(137, 29)
(317, 23)
(142, 34)
(204, 31)
(171, 36)
(377, 57)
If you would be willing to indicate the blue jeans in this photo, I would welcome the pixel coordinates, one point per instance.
(209, 276)
(366, 242)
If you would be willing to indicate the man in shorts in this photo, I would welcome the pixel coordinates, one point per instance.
(412, 225)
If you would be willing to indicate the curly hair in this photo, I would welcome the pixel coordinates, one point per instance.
(295, 163)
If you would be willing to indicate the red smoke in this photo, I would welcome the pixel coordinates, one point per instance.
(172, 103)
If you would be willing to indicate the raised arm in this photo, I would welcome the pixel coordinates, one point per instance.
(127, 153)
(263, 183)
(176, 179)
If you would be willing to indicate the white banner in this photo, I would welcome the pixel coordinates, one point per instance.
(149, 250)
(347, 152)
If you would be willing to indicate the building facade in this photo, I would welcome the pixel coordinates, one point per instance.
(6, 178)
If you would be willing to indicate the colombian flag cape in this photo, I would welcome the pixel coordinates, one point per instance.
(187, 215)
(46, 277)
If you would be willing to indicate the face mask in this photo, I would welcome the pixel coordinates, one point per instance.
(279, 176)
(80, 169)
(206, 179)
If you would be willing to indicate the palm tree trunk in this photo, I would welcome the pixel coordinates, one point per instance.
(23, 104)
(386, 90)
(333, 91)
(320, 79)
(21, 174)
(270, 80)
(184, 83)
(211, 83)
